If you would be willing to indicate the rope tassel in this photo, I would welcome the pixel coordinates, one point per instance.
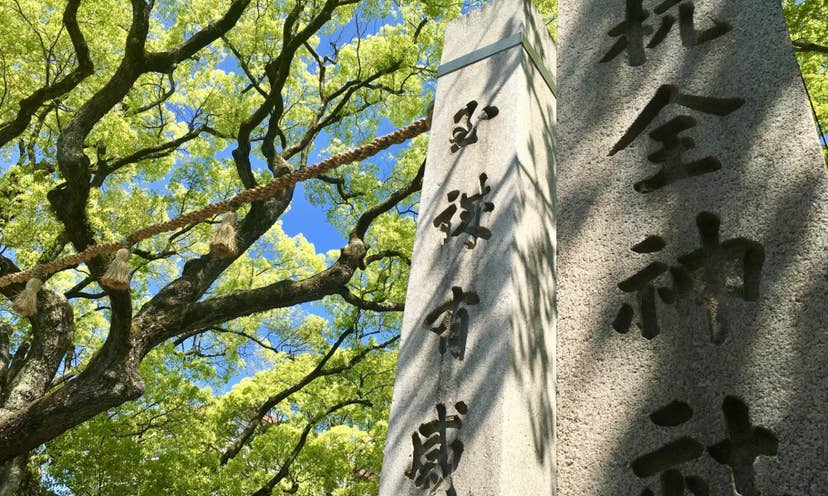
(117, 275)
(25, 304)
(223, 243)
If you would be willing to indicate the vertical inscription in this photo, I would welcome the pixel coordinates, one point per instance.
(436, 445)
(710, 275)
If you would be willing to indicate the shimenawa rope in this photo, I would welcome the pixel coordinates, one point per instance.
(258, 193)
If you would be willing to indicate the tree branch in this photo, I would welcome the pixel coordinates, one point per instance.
(267, 489)
(346, 91)
(29, 105)
(180, 339)
(339, 183)
(161, 98)
(376, 306)
(254, 83)
(372, 213)
(166, 61)
(317, 372)
(104, 169)
(806, 46)
(274, 400)
(53, 330)
(375, 257)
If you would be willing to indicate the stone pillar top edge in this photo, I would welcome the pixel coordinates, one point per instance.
(517, 39)
(497, 27)
(494, 24)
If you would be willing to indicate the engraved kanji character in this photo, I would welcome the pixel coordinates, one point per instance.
(472, 208)
(670, 155)
(705, 273)
(455, 320)
(465, 131)
(437, 451)
(631, 31)
(739, 451)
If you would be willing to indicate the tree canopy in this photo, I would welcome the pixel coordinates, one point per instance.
(266, 372)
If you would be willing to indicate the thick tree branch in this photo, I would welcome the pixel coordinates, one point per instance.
(31, 372)
(53, 330)
(95, 390)
(166, 61)
(5, 355)
(277, 295)
(73, 163)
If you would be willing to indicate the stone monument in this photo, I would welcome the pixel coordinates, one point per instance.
(693, 254)
(473, 404)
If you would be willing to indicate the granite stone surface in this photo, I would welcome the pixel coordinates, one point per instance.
(692, 346)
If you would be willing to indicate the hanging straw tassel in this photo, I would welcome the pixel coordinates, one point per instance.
(223, 243)
(117, 275)
(26, 302)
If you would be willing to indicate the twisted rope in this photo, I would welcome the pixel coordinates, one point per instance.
(251, 195)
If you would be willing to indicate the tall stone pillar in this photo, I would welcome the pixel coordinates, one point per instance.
(473, 405)
(693, 242)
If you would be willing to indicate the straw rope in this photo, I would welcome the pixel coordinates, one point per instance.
(258, 193)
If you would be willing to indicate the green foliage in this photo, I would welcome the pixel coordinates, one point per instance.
(169, 441)
(808, 25)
